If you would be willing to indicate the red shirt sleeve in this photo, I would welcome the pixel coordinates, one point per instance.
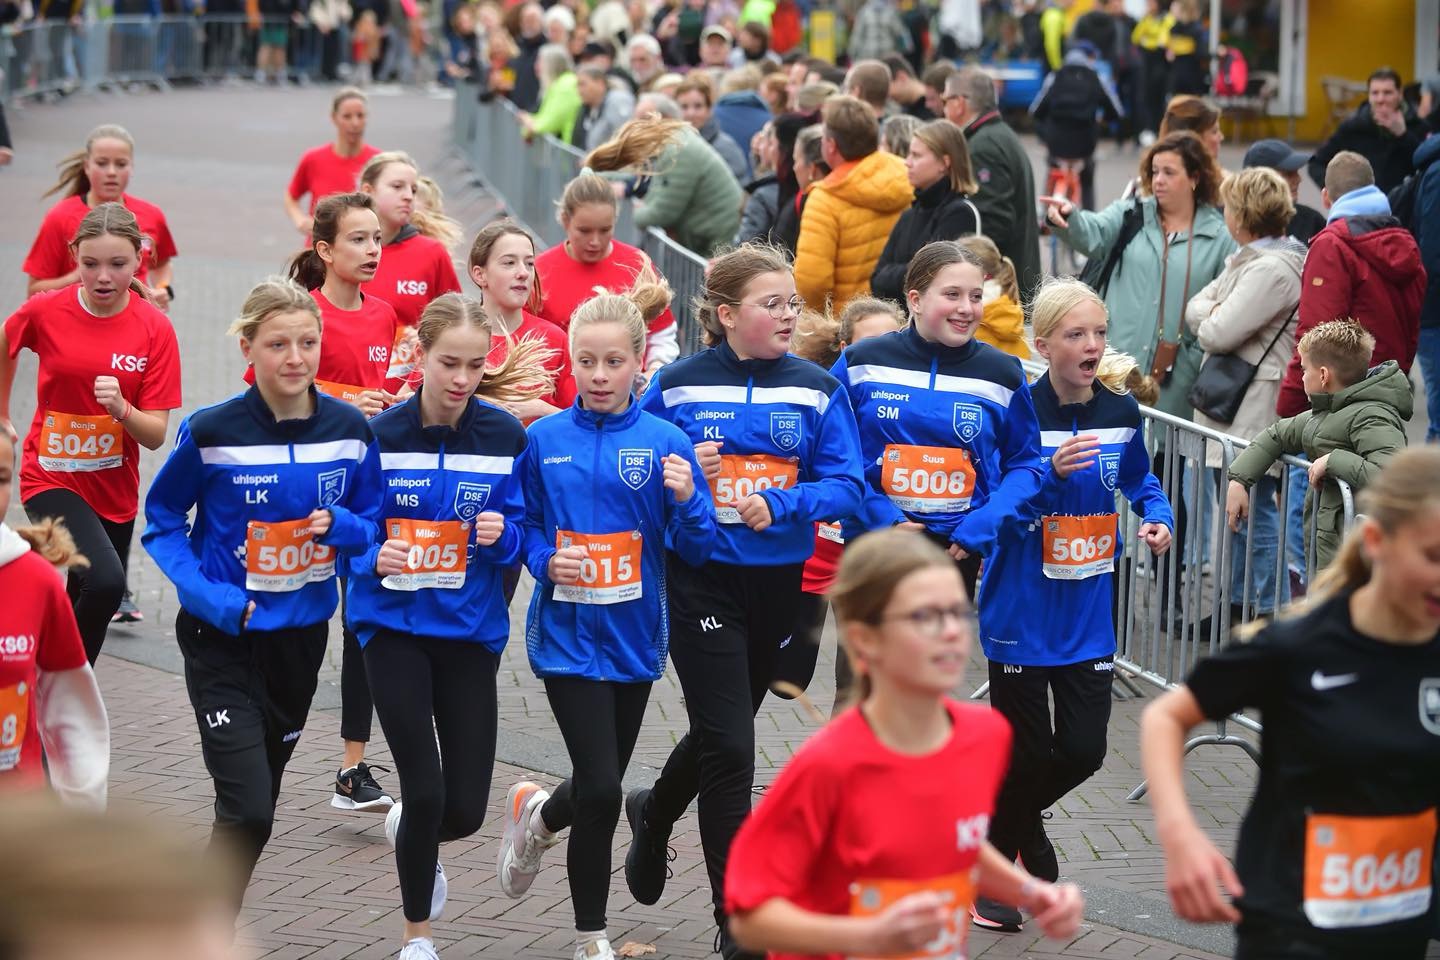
(49, 255)
(300, 182)
(565, 388)
(446, 280)
(19, 328)
(60, 645)
(160, 388)
(164, 242)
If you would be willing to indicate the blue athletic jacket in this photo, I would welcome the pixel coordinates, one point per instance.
(920, 405)
(443, 478)
(1029, 617)
(235, 464)
(590, 474)
(777, 418)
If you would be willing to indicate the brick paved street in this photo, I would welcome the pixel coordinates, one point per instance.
(217, 161)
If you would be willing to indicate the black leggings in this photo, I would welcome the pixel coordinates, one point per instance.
(357, 707)
(427, 690)
(600, 722)
(96, 590)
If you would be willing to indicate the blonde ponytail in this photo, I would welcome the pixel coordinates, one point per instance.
(51, 540)
(636, 144)
(1120, 373)
(522, 375)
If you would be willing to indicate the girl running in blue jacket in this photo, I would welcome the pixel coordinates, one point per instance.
(282, 479)
(776, 440)
(1046, 599)
(426, 605)
(607, 487)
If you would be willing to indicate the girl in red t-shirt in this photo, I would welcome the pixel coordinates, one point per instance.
(502, 264)
(48, 694)
(109, 377)
(99, 174)
(820, 869)
(332, 167)
(414, 269)
(591, 259)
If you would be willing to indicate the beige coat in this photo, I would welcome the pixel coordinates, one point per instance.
(1241, 311)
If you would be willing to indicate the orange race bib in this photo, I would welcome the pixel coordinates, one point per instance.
(281, 556)
(402, 353)
(1364, 871)
(340, 391)
(70, 443)
(1078, 548)
(14, 716)
(871, 897)
(927, 479)
(437, 553)
(741, 475)
(610, 573)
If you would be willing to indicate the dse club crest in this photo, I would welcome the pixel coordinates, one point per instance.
(470, 499)
(967, 421)
(1430, 704)
(1109, 470)
(332, 486)
(636, 466)
(785, 430)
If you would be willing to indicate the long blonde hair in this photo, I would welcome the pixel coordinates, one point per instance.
(636, 145)
(997, 266)
(1118, 372)
(522, 375)
(429, 215)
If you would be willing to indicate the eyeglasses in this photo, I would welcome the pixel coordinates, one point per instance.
(777, 308)
(930, 621)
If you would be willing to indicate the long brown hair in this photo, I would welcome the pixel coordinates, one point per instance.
(306, 268)
(74, 182)
(485, 241)
(113, 220)
(944, 139)
(520, 376)
(636, 144)
(730, 273)
(1194, 157)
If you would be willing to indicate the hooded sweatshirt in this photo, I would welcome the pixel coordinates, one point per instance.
(1359, 428)
(1364, 265)
(859, 202)
(48, 696)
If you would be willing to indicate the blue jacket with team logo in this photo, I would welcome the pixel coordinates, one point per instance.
(592, 474)
(440, 473)
(1028, 617)
(787, 408)
(234, 463)
(908, 391)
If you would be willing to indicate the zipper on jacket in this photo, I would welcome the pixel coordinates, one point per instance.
(595, 528)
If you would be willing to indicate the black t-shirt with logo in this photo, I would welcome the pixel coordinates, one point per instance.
(1337, 849)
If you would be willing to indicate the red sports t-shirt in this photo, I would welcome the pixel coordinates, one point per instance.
(534, 328)
(37, 632)
(818, 837)
(322, 171)
(50, 255)
(73, 444)
(412, 272)
(565, 282)
(818, 575)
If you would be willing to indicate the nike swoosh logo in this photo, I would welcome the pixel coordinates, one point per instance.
(1319, 681)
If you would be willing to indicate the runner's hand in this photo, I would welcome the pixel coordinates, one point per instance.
(320, 522)
(1074, 455)
(1194, 873)
(564, 566)
(755, 512)
(910, 525)
(107, 394)
(392, 558)
(370, 402)
(708, 453)
(8, 428)
(245, 617)
(909, 924)
(1156, 536)
(1237, 504)
(1059, 210)
(303, 226)
(957, 552)
(488, 527)
(160, 296)
(679, 477)
(1058, 908)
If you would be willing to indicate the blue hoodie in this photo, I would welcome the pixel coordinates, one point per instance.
(437, 480)
(587, 474)
(245, 473)
(948, 436)
(741, 114)
(1039, 610)
(1365, 202)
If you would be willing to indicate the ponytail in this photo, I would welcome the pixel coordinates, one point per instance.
(523, 375)
(52, 541)
(636, 144)
(306, 267)
(1120, 373)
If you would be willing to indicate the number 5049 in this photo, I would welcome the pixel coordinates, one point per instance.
(74, 445)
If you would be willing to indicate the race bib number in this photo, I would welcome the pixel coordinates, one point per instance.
(871, 897)
(610, 572)
(283, 556)
(1364, 871)
(437, 554)
(927, 479)
(14, 715)
(340, 391)
(1078, 548)
(829, 531)
(740, 476)
(70, 443)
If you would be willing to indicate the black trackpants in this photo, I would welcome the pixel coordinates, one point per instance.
(96, 590)
(726, 626)
(428, 690)
(251, 695)
(795, 664)
(600, 722)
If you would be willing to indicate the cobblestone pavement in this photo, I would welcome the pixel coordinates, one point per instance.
(217, 161)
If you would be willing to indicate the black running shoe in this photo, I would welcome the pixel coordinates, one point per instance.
(647, 864)
(356, 789)
(128, 612)
(999, 917)
(1038, 855)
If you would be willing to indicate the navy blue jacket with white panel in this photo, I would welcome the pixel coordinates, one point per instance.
(252, 482)
(437, 480)
(788, 433)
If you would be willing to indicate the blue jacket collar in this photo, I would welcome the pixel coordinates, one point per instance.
(439, 433)
(261, 411)
(590, 420)
(750, 367)
(912, 338)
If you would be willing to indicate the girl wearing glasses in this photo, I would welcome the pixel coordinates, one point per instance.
(776, 441)
(1046, 601)
(813, 872)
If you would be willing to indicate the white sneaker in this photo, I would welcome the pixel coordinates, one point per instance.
(421, 948)
(595, 950)
(442, 885)
(520, 848)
